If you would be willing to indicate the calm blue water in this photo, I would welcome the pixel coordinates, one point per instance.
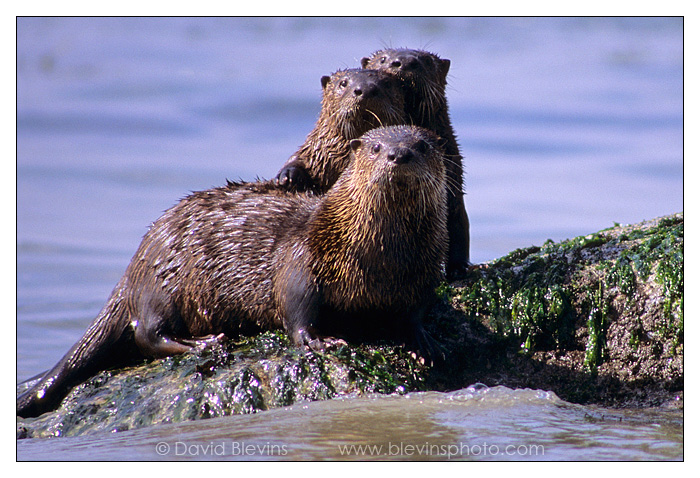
(567, 126)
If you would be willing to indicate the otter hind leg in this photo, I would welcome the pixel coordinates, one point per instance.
(161, 331)
(153, 343)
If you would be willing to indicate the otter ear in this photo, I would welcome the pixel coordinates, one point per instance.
(444, 67)
(324, 81)
(355, 144)
(364, 62)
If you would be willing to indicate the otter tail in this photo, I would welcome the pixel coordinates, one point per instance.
(99, 348)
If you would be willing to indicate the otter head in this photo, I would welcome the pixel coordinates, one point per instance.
(358, 100)
(423, 75)
(400, 159)
(417, 65)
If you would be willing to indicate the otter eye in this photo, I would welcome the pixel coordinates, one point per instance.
(376, 148)
(382, 60)
(343, 83)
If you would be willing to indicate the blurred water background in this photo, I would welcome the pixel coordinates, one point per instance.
(567, 125)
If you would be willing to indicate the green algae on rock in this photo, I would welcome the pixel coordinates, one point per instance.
(597, 318)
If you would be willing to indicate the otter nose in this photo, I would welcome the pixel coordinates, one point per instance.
(405, 62)
(400, 155)
(367, 90)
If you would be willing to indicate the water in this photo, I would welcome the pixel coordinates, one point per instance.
(472, 424)
(567, 126)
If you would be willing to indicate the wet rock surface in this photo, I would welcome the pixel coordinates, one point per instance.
(596, 319)
(248, 376)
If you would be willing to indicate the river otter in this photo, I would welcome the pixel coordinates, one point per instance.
(360, 262)
(354, 101)
(423, 76)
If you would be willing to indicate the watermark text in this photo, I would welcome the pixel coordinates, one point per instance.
(220, 449)
(442, 450)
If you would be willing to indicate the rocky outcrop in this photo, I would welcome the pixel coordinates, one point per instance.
(596, 319)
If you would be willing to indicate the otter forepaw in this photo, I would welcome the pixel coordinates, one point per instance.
(429, 349)
(318, 343)
(333, 343)
(294, 178)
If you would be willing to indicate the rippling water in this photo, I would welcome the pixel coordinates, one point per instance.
(472, 424)
(566, 125)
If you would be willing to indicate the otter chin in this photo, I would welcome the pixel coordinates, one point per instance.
(358, 263)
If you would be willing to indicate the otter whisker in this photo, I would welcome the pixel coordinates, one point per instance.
(379, 121)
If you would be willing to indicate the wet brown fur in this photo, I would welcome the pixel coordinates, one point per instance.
(423, 76)
(360, 262)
